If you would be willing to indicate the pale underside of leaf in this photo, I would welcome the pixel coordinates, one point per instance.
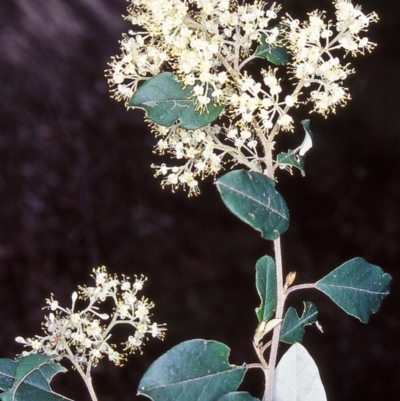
(297, 377)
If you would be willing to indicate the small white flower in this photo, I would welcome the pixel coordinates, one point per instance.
(290, 100)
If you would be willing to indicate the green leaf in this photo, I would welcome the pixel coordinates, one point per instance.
(168, 101)
(290, 159)
(295, 158)
(253, 198)
(297, 377)
(277, 55)
(266, 288)
(292, 330)
(28, 379)
(238, 396)
(193, 370)
(7, 373)
(357, 287)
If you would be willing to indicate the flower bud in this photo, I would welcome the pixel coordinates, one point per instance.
(20, 340)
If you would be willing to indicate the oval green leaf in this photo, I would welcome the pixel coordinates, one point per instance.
(252, 197)
(193, 370)
(297, 377)
(167, 101)
(357, 287)
(266, 288)
(292, 330)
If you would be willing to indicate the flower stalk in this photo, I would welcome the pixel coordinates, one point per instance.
(83, 336)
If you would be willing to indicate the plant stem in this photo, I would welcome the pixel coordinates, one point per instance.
(86, 377)
(89, 385)
(281, 295)
(278, 315)
(300, 287)
(260, 355)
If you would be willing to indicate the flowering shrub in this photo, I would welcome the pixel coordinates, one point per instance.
(190, 64)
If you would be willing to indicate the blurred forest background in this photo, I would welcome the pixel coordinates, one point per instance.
(77, 191)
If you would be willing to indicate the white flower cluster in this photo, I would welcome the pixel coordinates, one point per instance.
(312, 43)
(196, 146)
(208, 45)
(83, 336)
(192, 36)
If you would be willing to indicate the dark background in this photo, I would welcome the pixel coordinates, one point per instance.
(76, 192)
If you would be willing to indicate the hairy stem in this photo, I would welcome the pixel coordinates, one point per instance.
(300, 287)
(278, 315)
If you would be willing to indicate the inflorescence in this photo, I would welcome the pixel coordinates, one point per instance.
(208, 44)
(83, 336)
